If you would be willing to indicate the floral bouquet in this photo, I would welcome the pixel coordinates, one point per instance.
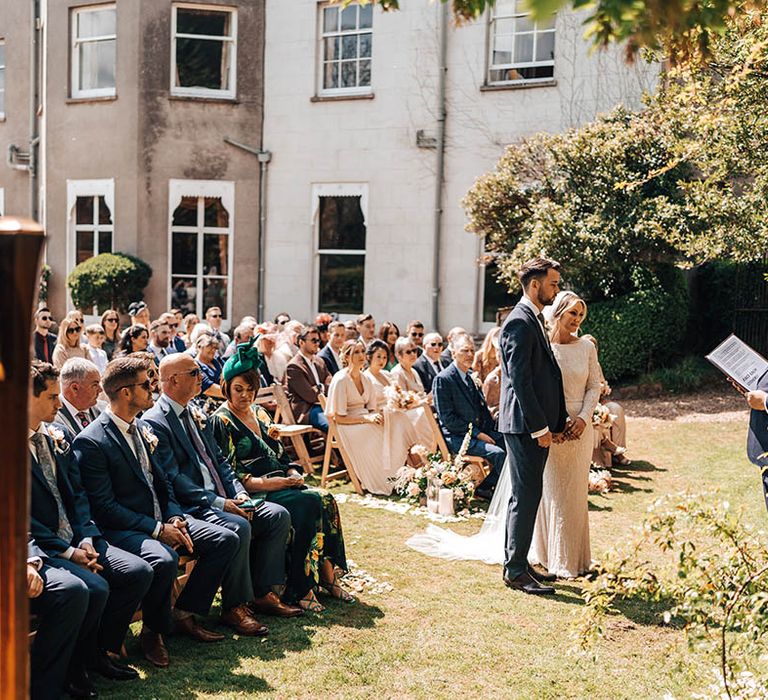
(601, 416)
(400, 399)
(600, 481)
(412, 483)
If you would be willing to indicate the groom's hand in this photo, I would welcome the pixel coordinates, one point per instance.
(756, 400)
(545, 440)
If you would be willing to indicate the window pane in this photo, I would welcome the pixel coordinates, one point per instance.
(524, 24)
(349, 46)
(365, 45)
(348, 74)
(83, 246)
(331, 48)
(201, 63)
(215, 294)
(105, 217)
(503, 28)
(105, 242)
(342, 225)
(349, 17)
(184, 294)
(331, 75)
(547, 23)
(341, 283)
(215, 247)
(496, 295)
(184, 254)
(523, 48)
(84, 210)
(330, 19)
(97, 65)
(2, 55)
(215, 213)
(545, 46)
(208, 22)
(96, 23)
(366, 15)
(186, 212)
(365, 73)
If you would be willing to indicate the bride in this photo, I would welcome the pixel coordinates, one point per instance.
(561, 537)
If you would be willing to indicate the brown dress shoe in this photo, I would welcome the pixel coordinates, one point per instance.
(154, 649)
(270, 604)
(191, 628)
(241, 620)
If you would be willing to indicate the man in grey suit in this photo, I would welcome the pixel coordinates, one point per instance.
(80, 388)
(757, 438)
(531, 413)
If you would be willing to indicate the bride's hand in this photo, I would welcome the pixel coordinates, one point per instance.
(576, 428)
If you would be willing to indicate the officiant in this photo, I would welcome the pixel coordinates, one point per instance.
(757, 439)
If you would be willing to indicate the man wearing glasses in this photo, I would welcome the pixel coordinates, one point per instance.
(213, 317)
(45, 341)
(307, 378)
(430, 364)
(415, 332)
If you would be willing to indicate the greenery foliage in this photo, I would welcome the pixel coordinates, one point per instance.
(109, 280)
(42, 289)
(687, 375)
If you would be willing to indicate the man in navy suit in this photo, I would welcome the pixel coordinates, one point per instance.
(531, 412)
(430, 363)
(62, 527)
(207, 488)
(459, 402)
(757, 439)
(135, 507)
(329, 353)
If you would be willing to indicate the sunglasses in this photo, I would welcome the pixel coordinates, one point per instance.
(45, 318)
(75, 329)
(412, 351)
(192, 372)
(313, 340)
(111, 320)
(173, 325)
(434, 345)
(147, 385)
(416, 335)
(215, 315)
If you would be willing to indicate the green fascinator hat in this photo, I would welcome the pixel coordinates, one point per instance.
(246, 358)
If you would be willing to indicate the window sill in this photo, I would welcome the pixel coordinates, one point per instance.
(519, 86)
(203, 98)
(88, 100)
(342, 98)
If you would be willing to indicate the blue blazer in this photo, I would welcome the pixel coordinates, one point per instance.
(119, 493)
(44, 514)
(326, 356)
(531, 384)
(757, 439)
(178, 459)
(426, 370)
(457, 405)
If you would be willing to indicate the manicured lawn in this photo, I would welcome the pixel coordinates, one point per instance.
(453, 630)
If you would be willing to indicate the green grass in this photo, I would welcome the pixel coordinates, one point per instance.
(451, 629)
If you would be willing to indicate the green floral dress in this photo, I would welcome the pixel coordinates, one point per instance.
(317, 533)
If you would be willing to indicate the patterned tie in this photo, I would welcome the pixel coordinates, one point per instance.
(83, 418)
(45, 460)
(141, 455)
(197, 441)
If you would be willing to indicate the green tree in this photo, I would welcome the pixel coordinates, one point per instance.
(108, 281)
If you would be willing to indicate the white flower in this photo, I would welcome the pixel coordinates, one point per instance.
(413, 489)
(149, 437)
(199, 417)
(60, 443)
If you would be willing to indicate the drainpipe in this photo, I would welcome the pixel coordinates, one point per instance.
(440, 164)
(264, 158)
(34, 136)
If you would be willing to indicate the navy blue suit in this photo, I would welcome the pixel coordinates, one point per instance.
(116, 593)
(458, 404)
(122, 505)
(426, 370)
(326, 355)
(532, 399)
(757, 439)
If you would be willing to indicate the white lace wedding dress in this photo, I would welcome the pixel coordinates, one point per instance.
(561, 537)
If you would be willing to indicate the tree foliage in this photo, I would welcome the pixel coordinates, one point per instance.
(109, 280)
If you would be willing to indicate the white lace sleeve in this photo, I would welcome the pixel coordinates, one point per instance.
(592, 390)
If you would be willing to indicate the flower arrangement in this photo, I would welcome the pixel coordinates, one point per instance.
(412, 483)
(60, 444)
(600, 481)
(149, 437)
(400, 399)
(601, 416)
(199, 416)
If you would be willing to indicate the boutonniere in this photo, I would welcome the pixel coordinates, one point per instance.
(60, 444)
(149, 437)
(199, 417)
(476, 380)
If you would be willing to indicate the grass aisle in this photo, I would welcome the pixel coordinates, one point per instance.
(452, 629)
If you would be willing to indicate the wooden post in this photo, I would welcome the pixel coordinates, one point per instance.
(20, 244)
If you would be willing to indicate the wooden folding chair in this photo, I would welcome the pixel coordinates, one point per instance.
(443, 447)
(289, 428)
(333, 442)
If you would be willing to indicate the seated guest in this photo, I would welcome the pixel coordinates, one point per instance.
(95, 336)
(330, 353)
(322, 321)
(415, 331)
(80, 389)
(59, 600)
(404, 374)
(486, 358)
(190, 321)
(44, 340)
(459, 402)
(430, 363)
(352, 403)
(134, 339)
(492, 385)
(282, 319)
(110, 322)
(287, 344)
(210, 363)
(242, 334)
(175, 319)
(160, 339)
(350, 329)
(206, 488)
(136, 509)
(139, 313)
(306, 380)
(316, 555)
(376, 355)
(456, 331)
(153, 373)
(273, 371)
(213, 317)
(68, 342)
(60, 522)
(389, 333)
(366, 327)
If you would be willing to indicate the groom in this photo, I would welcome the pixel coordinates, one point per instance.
(531, 411)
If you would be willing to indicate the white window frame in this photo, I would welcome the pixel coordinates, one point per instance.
(2, 201)
(3, 91)
(519, 13)
(231, 92)
(322, 35)
(74, 52)
(88, 188)
(218, 189)
(348, 189)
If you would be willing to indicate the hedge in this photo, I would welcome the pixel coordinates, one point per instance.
(108, 281)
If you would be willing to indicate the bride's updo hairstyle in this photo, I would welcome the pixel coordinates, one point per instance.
(563, 302)
(345, 354)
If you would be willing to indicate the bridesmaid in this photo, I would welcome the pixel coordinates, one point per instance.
(408, 378)
(316, 552)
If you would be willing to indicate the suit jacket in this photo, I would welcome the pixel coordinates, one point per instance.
(426, 370)
(532, 396)
(326, 355)
(457, 405)
(119, 493)
(178, 459)
(40, 342)
(446, 357)
(65, 417)
(757, 439)
(301, 387)
(44, 513)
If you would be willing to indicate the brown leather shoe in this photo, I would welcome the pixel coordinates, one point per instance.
(191, 628)
(153, 647)
(241, 620)
(270, 604)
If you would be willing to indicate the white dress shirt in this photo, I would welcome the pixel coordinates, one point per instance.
(312, 368)
(74, 411)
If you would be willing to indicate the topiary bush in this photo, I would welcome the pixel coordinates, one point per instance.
(108, 281)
